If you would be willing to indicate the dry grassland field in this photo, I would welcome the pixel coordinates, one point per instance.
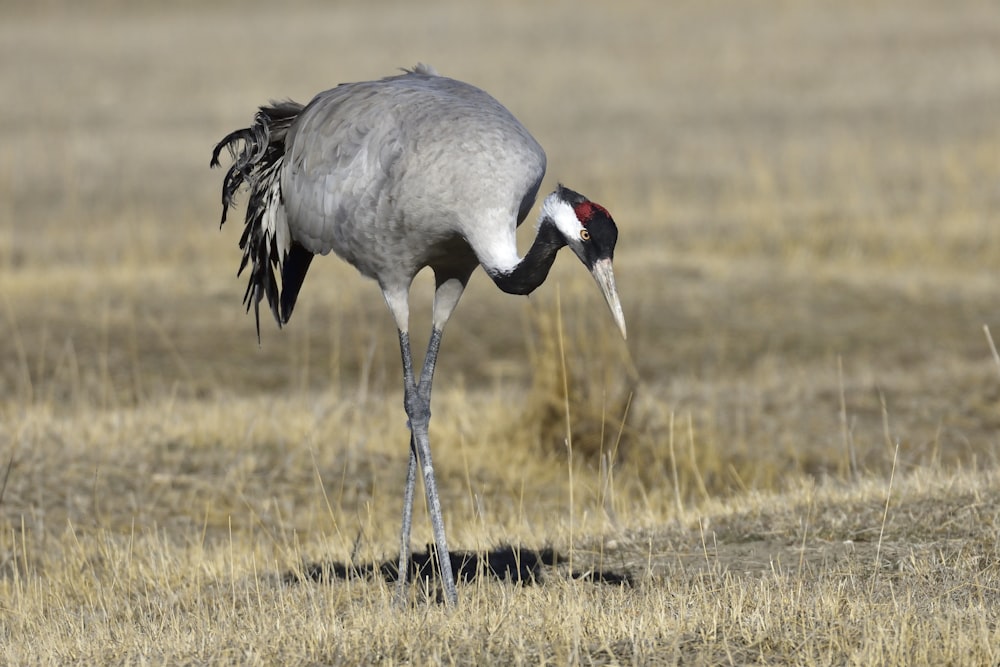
(794, 459)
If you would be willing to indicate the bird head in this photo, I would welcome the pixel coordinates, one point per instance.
(591, 234)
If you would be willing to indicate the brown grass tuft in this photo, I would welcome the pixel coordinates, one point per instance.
(582, 385)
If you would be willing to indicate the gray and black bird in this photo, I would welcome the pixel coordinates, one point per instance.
(395, 175)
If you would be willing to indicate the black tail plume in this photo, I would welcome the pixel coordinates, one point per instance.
(258, 152)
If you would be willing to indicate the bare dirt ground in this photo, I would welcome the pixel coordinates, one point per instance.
(791, 461)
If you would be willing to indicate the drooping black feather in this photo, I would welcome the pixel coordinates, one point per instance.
(258, 153)
(292, 274)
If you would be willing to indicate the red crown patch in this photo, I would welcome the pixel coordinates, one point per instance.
(587, 209)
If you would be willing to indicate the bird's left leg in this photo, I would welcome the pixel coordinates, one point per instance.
(403, 570)
(424, 393)
(417, 402)
(450, 284)
(417, 397)
(397, 298)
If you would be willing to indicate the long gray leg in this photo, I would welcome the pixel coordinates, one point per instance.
(404, 537)
(417, 399)
(411, 475)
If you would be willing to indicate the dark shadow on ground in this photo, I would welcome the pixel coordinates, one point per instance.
(505, 563)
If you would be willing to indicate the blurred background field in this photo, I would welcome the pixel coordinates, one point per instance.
(807, 195)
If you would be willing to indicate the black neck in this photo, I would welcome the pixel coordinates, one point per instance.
(534, 268)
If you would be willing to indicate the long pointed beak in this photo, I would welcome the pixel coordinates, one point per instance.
(605, 277)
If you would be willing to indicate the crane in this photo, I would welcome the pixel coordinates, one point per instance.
(394, 175)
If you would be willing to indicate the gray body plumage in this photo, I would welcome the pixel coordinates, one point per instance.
(411, 171)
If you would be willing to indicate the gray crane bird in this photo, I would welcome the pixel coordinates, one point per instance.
(410, 171)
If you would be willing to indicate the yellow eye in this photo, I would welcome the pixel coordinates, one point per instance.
(584, 234)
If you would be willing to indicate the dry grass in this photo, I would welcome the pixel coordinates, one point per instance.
(808, 197)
